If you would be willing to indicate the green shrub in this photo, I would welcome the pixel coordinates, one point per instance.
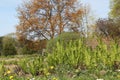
(101, 57)
(1, 44)
(32, 65)
(26, 50)
(31, 47)
(68, 36)
(8, 46)
(64, 38)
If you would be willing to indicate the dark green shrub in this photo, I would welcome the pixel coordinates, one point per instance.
(31, 47)
(26, 50)
(63, 38)
(1, 44)
(8, 46)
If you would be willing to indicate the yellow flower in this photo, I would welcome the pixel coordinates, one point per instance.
(54, 78)
(11, 77)
(32, 79)
(51, 67)
(47, 74)
(44, 69)
(100, 79)
(77, 70)
(118, 76)
(8, 72)
(5, 74)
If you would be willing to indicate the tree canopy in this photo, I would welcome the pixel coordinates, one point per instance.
(43, 19)
(115, 8)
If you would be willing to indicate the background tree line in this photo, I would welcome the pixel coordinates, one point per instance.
(110, 27)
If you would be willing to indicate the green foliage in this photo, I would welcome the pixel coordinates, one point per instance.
(26, 50)
(32, 65)
(115, 8)
(1, 44)
(73, 62)
(8, 46)
(31, 47)
(64, 38)
(115, 15)
(68, 36)
(101, 57)
(1, 68)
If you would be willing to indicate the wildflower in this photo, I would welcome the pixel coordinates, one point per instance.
(54, 78)
(100, 79)
(118, 76)
(77, 70)
(47, 74)
(11, 77)
(8, 72)
(51, 67)
(5, 74)
(118, 70)
(44, 69)
(32, 79)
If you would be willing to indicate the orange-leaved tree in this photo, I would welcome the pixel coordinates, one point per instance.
(44, 19)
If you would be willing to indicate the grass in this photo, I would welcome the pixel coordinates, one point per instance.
(76, 61)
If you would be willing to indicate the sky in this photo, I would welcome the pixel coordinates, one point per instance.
(8, 14)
